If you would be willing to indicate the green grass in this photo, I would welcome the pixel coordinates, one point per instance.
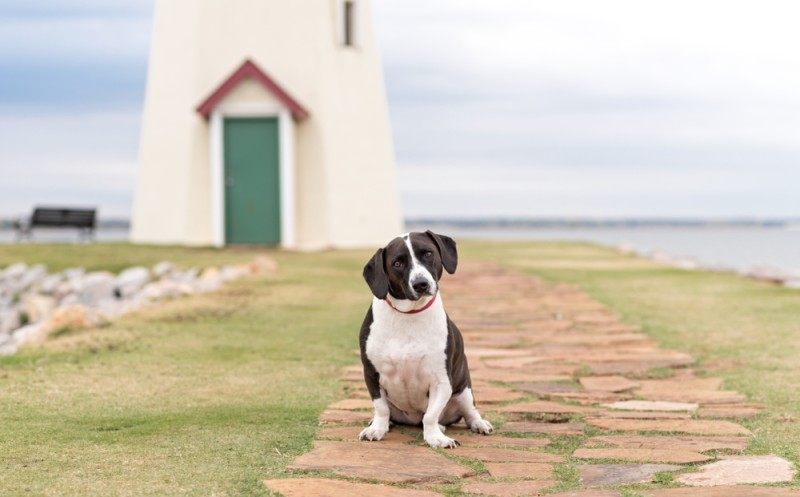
(209, 395)
(202, 396)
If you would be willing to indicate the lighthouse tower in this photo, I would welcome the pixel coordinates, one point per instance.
(265, 122)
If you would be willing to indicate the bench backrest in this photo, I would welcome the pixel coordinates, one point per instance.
(63, 217)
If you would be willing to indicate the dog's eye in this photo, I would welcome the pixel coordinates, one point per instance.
(398, 264)
(427, 254)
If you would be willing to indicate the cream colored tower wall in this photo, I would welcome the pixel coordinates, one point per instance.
(344, 166)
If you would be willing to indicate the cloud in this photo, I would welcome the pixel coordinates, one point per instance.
(509, 107)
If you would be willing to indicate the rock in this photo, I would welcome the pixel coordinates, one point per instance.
(642, 455)
(32, 276)
(50, 284)
(352, 405)
(153, 292)
(263, 265)
(14, 271)
(230, 273)
(650, 405)
(382, 462)
(543, 407)
(735, 470)
(163, 269)
(26, 334)
(545, 428)
(607, 383)
(792, 283)
(512, 489)
(690, 426)
(614, 474)
(319, 487)
(131, 280)
(351, 433)
(732, 491)
(38, 307)
(72, 317)
(9, 321)
(489, 454)
(670, 442)
(343, 416)
(469, 439)
(96, 287)
(527, 470)
(588, 493)
(210, 280)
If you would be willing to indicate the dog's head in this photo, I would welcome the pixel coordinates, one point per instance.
(410, 266)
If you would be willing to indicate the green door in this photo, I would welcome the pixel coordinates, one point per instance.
(252, 182)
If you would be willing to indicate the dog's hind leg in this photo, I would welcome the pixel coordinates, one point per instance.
(472, 417)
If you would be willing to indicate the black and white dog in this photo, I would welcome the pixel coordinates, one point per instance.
(413, 354)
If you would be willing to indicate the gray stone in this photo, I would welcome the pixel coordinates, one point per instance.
(96, 287)
(163, 268)
(14, 271)
(9, 321)
(131, 280)
(38, 307)
(735, 470)
(50, 284)
(32, 276)
(612, 474)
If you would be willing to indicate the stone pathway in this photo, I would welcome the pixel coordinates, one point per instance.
(580, 402)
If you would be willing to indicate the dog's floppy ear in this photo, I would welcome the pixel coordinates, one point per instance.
(375, 275)
(447, 247)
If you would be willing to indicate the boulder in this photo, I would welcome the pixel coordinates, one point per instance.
(263, 265)
(38, 306)
(14, 271)
(210, 280)
(9, 321)
(163, 268)
(96, 287)
(131, 280)
(50, 284)
(32, 276)
(230, 273)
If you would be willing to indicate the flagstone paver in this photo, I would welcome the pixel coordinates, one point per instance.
(513, 489)
(608, 383)
(615, 474)
(382, 462)
(692, 426)
(642, 455)
(726, 491)
(526, 341)
(741, 469)
(320, 487)
(671, 442)
(494, 454)
(527, 470)
(650, 405)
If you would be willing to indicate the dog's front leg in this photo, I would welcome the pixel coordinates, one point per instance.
(379, 426)
(438, 397)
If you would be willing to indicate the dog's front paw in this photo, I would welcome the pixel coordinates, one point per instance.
(373, 433)
(481, 426)
(441, 440)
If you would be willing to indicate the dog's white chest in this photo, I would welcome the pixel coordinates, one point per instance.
(408, 351)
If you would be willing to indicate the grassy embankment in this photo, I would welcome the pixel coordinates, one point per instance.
(210, 394)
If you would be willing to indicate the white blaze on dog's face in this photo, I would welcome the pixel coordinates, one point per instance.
(410, 266)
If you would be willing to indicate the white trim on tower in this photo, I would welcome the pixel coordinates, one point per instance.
(286, 168)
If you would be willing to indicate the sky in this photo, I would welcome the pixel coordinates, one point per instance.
(508, 108)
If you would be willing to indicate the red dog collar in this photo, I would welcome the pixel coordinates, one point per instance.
(430, 303)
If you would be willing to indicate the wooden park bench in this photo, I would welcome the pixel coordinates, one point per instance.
(58, 217)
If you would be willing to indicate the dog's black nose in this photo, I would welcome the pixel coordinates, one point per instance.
(420, 286)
